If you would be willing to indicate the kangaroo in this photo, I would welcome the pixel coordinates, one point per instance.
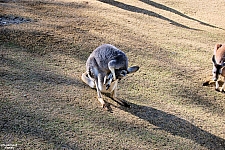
(218, 60)
(105, 66)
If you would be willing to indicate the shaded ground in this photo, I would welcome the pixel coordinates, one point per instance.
(45, 105)
(7, 20)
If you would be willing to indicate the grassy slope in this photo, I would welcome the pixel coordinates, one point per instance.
(45, 105)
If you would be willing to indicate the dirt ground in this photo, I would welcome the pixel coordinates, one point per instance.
(45, 105)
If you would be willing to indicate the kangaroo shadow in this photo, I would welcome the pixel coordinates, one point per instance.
(143, 11)
(163, 7)
(176, 126)
(32, 75)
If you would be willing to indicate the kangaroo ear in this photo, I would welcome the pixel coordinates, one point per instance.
(132, 69)
(217, 46)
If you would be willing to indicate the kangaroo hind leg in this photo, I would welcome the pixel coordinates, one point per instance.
(114, 96)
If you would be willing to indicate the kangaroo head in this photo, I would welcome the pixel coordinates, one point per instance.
(120, 73)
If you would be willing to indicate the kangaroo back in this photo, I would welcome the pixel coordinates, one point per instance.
(219, 52)
(105, 54)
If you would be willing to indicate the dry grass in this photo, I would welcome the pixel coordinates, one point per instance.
(45, 105)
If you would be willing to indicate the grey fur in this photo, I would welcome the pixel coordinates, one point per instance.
(104, 67)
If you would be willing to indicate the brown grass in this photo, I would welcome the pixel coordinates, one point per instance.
(45, 105)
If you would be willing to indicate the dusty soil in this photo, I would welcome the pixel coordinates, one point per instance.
(45, 105)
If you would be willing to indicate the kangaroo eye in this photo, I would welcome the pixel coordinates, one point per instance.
(123, 73)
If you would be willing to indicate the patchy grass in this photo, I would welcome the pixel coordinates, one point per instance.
(45, 105)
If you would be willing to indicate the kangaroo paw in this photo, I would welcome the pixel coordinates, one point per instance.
(218, 90)
(102, 102)
(107, 107)
(107, 86)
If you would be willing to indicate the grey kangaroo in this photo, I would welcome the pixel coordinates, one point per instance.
(105, 66)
